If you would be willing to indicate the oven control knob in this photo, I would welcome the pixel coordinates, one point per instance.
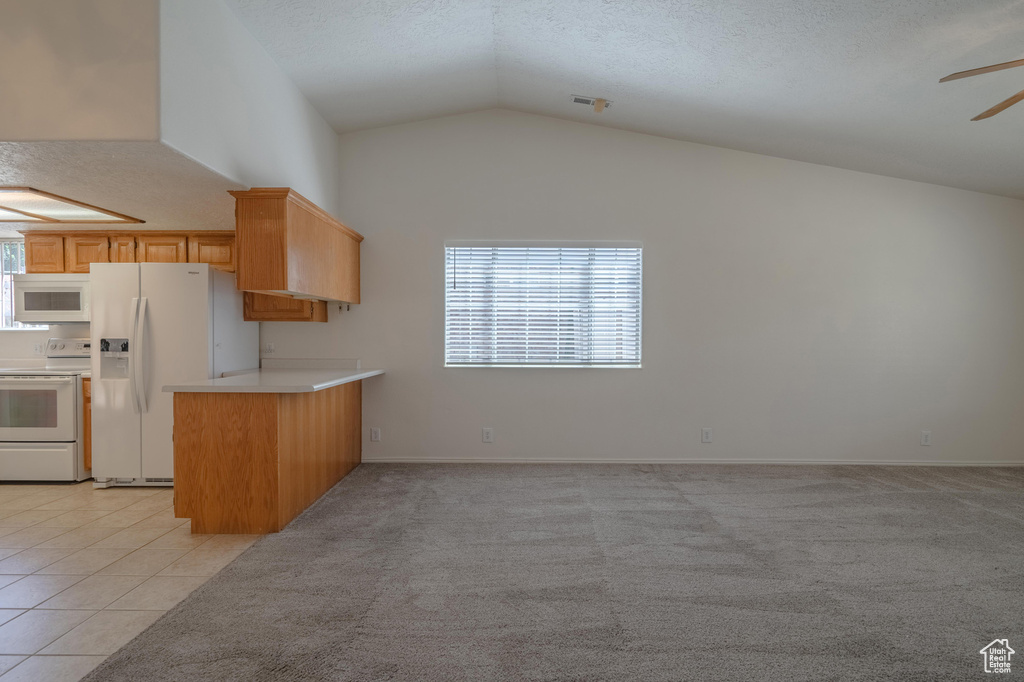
(60, 346)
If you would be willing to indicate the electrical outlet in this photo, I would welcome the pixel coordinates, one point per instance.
(926, 438)
(375, 434)
(705, 435)
(487, 435)
(39, 348)
(268, 349)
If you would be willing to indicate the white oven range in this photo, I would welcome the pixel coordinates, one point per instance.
(41, 417)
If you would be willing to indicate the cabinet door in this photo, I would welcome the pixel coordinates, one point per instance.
(160, 249)
(87, 421)
(122, 249)
(219, 252)
(80, 251)
(44, 253)
(267, 308)
(287, 243)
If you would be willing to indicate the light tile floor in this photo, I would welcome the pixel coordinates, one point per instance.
(83, 571)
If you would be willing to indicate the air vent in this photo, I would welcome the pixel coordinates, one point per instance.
(589, 101)
(159, 480)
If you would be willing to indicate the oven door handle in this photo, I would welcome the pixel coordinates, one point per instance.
(137, 356)
(132, 369)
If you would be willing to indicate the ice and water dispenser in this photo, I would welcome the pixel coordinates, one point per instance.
(113, 358)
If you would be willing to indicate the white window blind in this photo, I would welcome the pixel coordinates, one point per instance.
(12, 262)
(513, 305)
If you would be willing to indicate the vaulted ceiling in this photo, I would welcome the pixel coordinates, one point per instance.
(845, 83)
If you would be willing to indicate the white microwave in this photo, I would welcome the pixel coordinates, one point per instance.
(51, 299)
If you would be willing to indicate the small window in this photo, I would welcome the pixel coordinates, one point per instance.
(12, 262)
(542, 305)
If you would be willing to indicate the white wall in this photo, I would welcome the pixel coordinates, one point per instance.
(806, 313)
(78, 70)
(25, 346)
(226, 103)
(20, 344)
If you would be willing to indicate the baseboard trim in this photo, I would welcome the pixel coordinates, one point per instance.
(783, 462)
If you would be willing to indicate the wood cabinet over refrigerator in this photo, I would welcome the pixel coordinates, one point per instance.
(161, 248)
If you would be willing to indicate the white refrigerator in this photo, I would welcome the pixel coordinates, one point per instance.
(155, 324)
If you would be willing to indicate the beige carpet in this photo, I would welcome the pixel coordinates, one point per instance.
(602, 572)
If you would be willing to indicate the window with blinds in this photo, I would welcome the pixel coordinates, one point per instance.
(12, 262)
(542, 305)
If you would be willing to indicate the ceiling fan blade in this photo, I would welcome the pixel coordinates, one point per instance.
(1005, 104)
(984, 69)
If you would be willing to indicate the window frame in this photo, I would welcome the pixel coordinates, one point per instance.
(545, 244)
(15, 326)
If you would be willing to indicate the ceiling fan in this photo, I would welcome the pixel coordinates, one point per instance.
(1006, 103)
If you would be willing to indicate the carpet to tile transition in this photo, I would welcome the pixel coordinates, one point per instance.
(607, 572)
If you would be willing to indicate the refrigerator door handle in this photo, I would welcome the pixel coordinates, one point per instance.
(132, 367)
(137, 357)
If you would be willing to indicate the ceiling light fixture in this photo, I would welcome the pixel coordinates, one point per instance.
(29, 205)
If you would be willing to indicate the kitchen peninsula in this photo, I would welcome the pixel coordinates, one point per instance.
(253, 450)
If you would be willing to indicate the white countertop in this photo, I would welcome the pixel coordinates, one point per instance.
(275, 381)
(10, 368)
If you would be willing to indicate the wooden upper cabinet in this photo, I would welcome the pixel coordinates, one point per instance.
(266, 308)
(44, 253)
(79, 252)
(218, 251)
(122, 248)
(160, 248)
(288, 245)
(47, 252)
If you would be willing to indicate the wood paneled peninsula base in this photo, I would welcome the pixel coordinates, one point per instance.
(251, 452)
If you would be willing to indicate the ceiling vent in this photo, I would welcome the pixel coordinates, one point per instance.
(598, 103)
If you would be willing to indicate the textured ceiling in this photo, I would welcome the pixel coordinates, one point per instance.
(846, 83)
(145, 180)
